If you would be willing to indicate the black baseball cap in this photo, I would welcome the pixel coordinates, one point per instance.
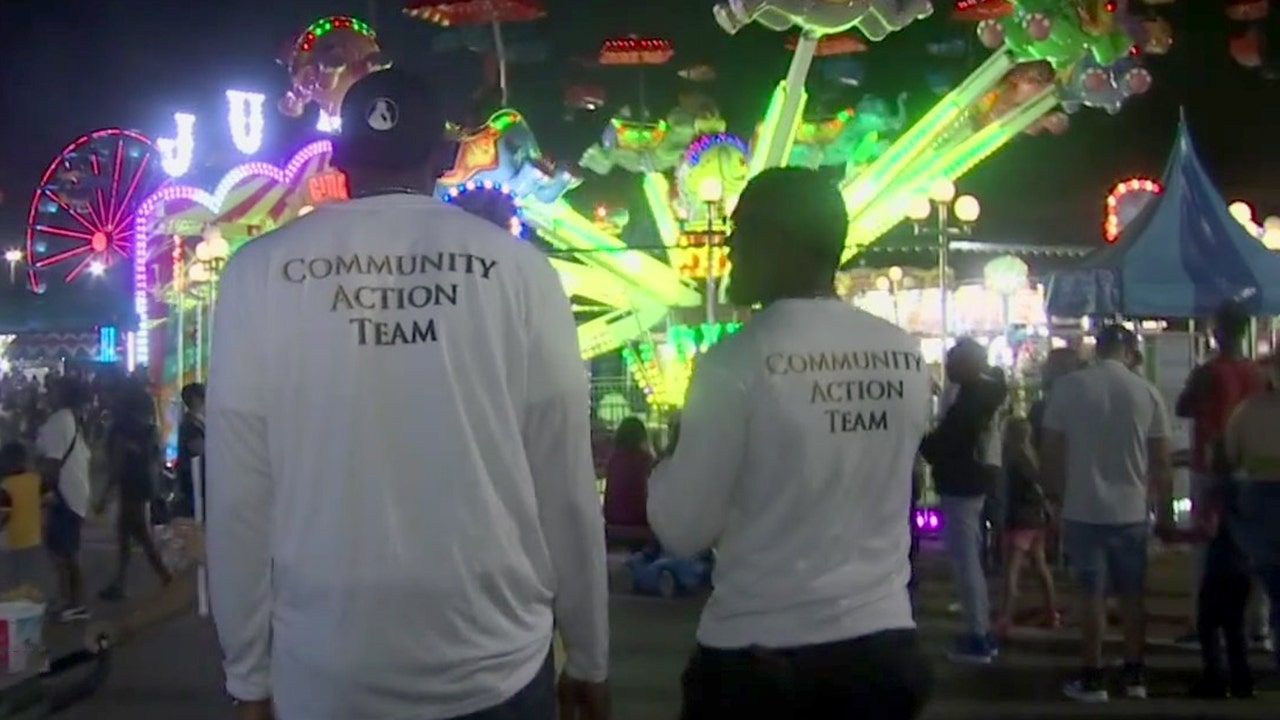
(1117, 336)
(391, 120)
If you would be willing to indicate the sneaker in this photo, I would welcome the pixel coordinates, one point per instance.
(974, 650)
(74, 614)
(1134, 676)
(1087, 688)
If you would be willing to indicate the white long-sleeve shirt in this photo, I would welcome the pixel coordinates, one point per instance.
(401, 496)
(796, 447)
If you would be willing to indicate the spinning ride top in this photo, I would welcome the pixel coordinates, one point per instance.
(81, 219)
(447, 13)
(324, 61)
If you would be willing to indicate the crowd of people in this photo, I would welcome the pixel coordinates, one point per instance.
(73, 445)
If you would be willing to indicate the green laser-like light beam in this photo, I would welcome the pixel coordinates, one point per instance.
(789, 115)
(768, 132)
(657, 193)
(562, 227)
(861, 191)
(952, 164)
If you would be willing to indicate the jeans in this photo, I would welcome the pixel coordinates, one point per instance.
(882, 676)
(1223, 598)
(1108, 560)
(535, 701)
(962, 534)
(1258, 525)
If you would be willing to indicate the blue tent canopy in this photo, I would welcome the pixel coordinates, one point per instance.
(1183, 256)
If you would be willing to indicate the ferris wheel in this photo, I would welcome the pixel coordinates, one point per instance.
(81, 219)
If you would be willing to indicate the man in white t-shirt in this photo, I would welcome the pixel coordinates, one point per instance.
(796, 450)
(64, 454)
(1106, 447)
(401, 499)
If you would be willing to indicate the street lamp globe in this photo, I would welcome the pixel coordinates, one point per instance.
(1241, 211)
(942, 191)
(918, 208)
(199, 272)
(12, 255)
(711, 190)
(884, 284)
(895, 274)
(1006, 275)
(967, 209)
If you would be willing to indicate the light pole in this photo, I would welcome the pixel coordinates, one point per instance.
(942, 202)
(891, 282)
(711, 193)
(13, 256)
(1005, 275)
(210, 257)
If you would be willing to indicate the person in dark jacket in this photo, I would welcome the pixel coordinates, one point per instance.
(959, 451)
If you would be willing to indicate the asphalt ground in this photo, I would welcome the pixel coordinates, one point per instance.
(172, 671)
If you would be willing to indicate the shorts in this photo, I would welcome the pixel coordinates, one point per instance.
(1107, 560)
(1024, 539)
(63, 533)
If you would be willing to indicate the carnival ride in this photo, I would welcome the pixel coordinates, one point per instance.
(81, 218)
(1049, 58)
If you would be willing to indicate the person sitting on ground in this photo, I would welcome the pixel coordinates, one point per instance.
(1028, 518)
(626, 478)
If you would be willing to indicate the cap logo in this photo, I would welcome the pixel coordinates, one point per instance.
(383, 115)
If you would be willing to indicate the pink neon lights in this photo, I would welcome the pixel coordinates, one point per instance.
(104, 230)
(1111, 226)
(148, 212)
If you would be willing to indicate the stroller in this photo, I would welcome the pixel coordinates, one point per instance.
(67, 680)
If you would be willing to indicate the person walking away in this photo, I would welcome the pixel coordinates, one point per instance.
(1212, 392)
(402, 502)
(21, 500)
(1224, 594)
(794, 463)
(958, 452)
(133, 451)
(1251, 447)
(64, 466)
(1029, 515)
(190, 448)
(626, 478)
(1106, 450)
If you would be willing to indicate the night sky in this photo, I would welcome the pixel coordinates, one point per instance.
(73, 66)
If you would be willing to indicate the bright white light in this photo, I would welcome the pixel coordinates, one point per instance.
(967, 208)
(12, 255)
(96, 268)
(176, 152)
(1241, 211)
(305, 210)
(918, 207)
(327, 123)
(942, 190)
(1271, 238)
(1272, 222)
(246, 120)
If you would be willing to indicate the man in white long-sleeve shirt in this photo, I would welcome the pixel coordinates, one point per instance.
(401, 494)
(796, 449)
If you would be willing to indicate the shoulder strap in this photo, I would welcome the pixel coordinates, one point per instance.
(74, 439)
